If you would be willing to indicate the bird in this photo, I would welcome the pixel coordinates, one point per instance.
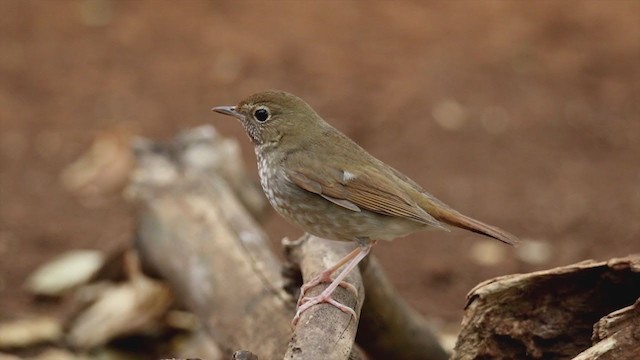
(320, 180)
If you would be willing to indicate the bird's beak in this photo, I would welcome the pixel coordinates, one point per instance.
(228, 110)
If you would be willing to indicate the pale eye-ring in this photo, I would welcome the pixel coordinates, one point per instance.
(261, 114)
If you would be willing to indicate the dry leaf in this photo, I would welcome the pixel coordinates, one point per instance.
(64, 272)
(28, 332)
(122, 309)
(104, 169)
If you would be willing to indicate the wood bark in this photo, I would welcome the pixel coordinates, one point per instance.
(616, 336)
(323, 331)
(196, 234)
(551, 314)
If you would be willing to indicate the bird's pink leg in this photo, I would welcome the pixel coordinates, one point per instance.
(351, 260)
(325, 276)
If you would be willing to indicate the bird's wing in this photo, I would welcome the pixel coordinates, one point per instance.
(367, 190)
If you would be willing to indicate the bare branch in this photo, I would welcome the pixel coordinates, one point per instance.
(324, 331)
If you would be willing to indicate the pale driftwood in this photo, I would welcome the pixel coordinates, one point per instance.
(324, 332)
(220, 267)
(202, 149)
(551, 314)
(195, 233)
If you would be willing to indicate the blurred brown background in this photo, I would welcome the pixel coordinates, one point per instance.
(522, 114)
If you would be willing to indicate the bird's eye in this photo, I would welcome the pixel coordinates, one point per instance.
(261, 114)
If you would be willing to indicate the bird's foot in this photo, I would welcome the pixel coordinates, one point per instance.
(350, 261)
(324, 297)
(322, 278)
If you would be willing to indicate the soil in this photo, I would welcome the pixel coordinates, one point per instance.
(524, 115)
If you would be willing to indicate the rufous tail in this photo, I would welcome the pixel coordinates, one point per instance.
(454, 218)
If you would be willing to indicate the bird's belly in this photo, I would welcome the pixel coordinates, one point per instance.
(322, 218)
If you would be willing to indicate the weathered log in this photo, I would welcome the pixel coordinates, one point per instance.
(195, 233)
(616, 336)
(551, 314)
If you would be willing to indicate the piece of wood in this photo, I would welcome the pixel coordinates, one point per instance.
(195, 233)
(324, 332)
(388, 328)
(616, 336)
(551, 314)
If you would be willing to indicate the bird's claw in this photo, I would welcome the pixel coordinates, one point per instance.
(320, 279)
(307, 302)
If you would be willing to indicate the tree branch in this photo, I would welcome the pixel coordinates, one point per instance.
(324, 331)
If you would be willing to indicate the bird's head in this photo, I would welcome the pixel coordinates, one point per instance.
(271, 117)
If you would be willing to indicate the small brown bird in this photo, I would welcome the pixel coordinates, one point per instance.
(323, 182)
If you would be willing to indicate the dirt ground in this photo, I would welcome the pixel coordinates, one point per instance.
(522, 114)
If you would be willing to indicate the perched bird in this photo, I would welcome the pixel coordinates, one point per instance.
(326, 184)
